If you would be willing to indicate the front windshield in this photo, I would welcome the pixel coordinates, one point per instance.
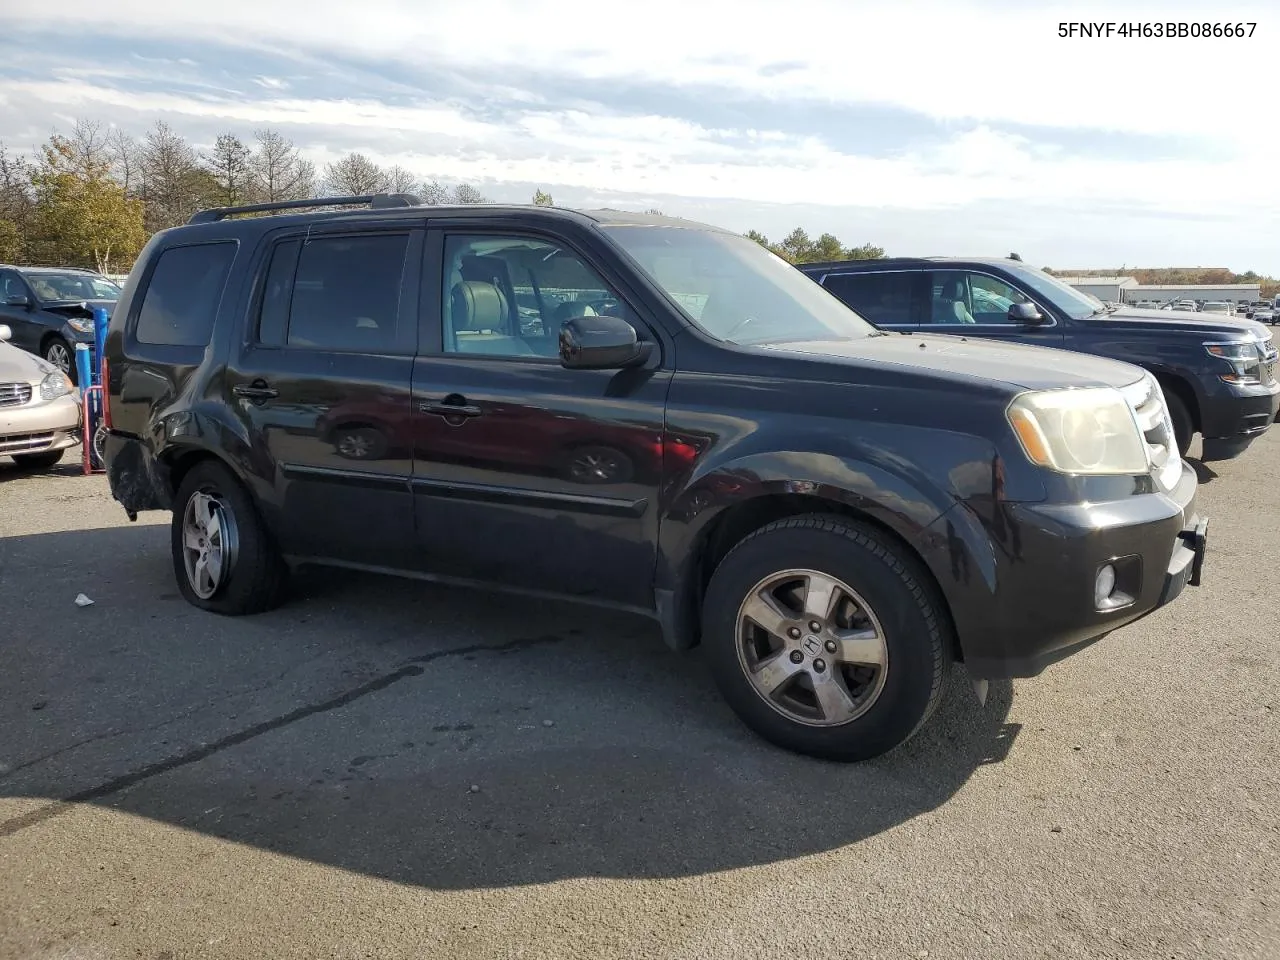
(72, 286)
(735, 289)
(1072, 302)
(1217, 308)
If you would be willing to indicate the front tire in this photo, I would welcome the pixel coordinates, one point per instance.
(223, 557)
(870, 674)
(61, 354)
(1183, 428)
(38, 461)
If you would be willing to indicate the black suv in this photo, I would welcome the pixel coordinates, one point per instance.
(649, 414)
(50, 309)
(1218, 373)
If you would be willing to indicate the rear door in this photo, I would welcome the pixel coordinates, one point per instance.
(893, 299)
(525, 473)
(974, 303)
(321, 381)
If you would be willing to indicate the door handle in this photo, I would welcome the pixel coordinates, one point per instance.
(444, 408)
(258, 390)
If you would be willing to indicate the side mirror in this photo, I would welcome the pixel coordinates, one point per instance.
(1025, 313)
(5, 332)
(601, 343)
(17, 300)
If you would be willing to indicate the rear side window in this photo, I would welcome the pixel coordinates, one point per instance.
(882, 298)
(183, 294)
(346, 293)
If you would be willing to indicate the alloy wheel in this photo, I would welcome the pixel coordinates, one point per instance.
(812, 648)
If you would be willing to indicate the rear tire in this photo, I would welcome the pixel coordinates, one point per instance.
(38, 461)
(223, 557)
(1183, 428)
(856, 688)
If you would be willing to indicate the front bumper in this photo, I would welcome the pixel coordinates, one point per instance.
(40, 427)
(1029, 601)
(1235, 416)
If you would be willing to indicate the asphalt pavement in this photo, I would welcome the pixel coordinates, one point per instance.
(386, 768)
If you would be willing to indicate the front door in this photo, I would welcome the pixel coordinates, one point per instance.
(21, 320)
(974, 304)
(322, 382)
(525, 473)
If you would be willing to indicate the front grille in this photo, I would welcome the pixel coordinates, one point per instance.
(26, 442)
(1152, 413)
(14, 394)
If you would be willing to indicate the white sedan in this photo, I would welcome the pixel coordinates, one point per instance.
(39, 408)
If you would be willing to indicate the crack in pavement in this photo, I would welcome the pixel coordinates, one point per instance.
(411, 669)
(147, 728)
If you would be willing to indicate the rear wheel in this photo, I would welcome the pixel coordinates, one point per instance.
(825, 639)
(223, 558)
(38, 461)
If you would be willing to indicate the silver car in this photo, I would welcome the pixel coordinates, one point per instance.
(39, 408)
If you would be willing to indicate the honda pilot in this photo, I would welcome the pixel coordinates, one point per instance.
(648, 414)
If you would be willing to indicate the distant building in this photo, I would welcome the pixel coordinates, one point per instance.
(1107, 289)
(1129, 290)
(1163, 292)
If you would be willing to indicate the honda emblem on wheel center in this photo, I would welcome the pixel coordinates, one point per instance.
(812, 645)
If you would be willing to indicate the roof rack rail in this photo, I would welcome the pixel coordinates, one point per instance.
(376, 201)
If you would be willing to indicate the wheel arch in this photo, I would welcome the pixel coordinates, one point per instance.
(1180, 387)
(693, 541)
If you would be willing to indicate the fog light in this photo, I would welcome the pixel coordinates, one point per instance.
(1103, 587)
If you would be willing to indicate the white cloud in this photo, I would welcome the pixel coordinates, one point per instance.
(992, 61)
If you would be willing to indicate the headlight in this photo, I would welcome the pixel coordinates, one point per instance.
(1243, 357)
(55, 385)
(1089, 431)
(80, 324)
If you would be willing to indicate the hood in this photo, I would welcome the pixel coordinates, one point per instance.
(18, 366)
(1221, 327)
(78, 308)
(1028, 367)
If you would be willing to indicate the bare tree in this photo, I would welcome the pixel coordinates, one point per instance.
(466, 193)
(230, 165)
(354, 175)
(400, 180)
(126, 160)
(91, 146)
(435, 194)
(16, 205)
(279, 171)
(174, 185)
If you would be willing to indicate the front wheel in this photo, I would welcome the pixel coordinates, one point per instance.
(58, 352)
(825, 639)
(1183, 429)
(223, 558)
(38, 461)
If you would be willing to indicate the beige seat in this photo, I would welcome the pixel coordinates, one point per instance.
(481, 314)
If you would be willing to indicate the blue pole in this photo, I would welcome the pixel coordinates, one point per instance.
(100, 321)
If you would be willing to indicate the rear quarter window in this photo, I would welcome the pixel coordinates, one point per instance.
(182, 296)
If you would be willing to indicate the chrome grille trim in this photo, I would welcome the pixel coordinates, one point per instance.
(1151, 412)
(14, 394)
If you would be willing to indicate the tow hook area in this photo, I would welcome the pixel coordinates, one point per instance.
(1196, 539)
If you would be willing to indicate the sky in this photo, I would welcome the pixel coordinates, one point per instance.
(927, 128)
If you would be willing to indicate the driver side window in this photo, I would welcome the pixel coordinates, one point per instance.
(508, 296)
(962, 297)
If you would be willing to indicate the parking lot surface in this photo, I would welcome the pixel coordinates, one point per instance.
(386, 768)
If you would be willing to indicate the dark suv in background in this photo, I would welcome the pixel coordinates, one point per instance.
(1217, 372)
(649, 414)
(50, 309)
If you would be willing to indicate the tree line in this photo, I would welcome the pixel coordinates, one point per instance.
(1201, 276)
(798, 247)
(92, 197)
